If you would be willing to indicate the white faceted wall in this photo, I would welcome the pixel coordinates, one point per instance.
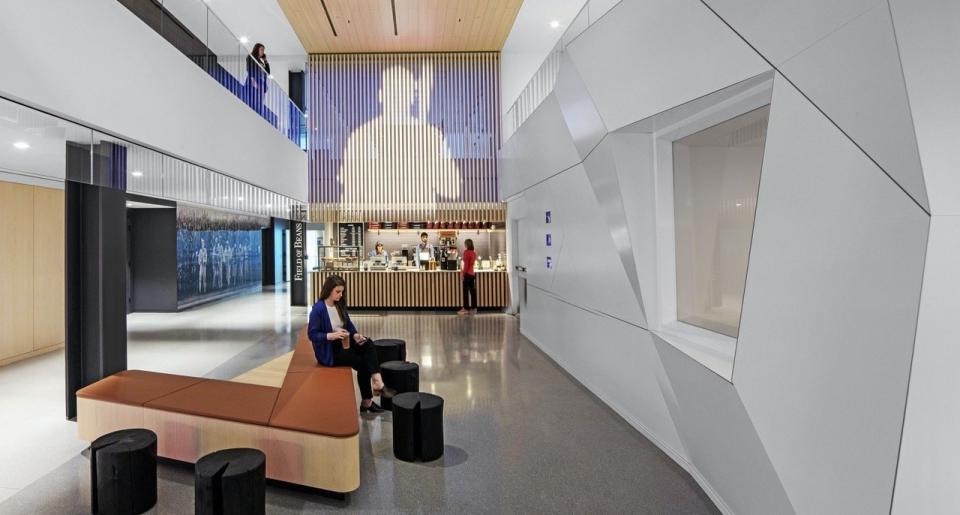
(845, 310)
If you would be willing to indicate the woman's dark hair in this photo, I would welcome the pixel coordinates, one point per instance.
(256, 51)
(332, 282)
(469, 243)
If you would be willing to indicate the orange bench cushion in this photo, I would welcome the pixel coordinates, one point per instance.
(303, 360)
(136, 387)
(226, 400)
(319, 401)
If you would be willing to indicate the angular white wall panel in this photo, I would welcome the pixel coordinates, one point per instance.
(719, 437)
(854, 76)
(588, 271)
(829, 313)
(622, 368)
(928, 475)
(928, 35)
(540, 148)
(613, 158)
(140, 87)
(633, 158)
(583, 121)
(533, 250)
(646, 56)
(780, 29)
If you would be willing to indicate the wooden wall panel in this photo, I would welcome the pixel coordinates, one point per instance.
(427, 290)
(31, 271)
(48, 306)
(16, 269)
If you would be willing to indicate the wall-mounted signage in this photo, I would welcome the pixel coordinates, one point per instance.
(549, 263)
(548, 217)
(549, 240)
(298, 282)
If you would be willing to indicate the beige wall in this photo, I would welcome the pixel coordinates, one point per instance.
(31, 271)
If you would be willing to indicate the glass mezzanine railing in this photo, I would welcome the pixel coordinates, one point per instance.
(195, 30)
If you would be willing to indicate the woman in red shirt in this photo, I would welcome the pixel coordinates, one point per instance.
(468, 276)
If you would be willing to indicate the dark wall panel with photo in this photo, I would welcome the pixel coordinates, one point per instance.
(218, 254)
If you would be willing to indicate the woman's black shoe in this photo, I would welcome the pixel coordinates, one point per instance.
(372, 408)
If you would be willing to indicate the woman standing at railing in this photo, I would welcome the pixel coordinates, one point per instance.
(258, 71)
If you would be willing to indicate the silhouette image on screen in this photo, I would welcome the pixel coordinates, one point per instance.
(370, 159)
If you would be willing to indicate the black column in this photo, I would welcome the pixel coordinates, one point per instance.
(297, 87)
(298, 268)
(96, 263)
(154, 259)
(268, 250)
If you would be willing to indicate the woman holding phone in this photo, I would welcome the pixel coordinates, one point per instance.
(336, 342)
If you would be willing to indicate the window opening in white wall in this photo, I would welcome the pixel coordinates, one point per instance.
(716, 176)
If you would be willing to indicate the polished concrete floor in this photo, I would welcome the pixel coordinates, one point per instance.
(521, 436)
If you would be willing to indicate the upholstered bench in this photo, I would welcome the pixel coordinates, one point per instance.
(308, 428)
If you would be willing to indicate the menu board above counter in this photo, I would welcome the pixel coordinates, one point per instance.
(350, 235)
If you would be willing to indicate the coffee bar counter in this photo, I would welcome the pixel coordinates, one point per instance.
(435, 289)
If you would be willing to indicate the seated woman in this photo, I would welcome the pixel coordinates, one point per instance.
(337, 343)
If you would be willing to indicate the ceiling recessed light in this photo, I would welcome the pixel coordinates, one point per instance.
(244, 39)
(21, 145)
(554, 24)
(240, 199)
(739, 204)
(225, 197)
(270, 76)
(137, 173)
(267, 206)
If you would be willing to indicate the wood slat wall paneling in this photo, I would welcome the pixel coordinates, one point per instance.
(427, 290)
(404, 137)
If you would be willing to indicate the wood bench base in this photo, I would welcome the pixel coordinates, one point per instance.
(318, 461)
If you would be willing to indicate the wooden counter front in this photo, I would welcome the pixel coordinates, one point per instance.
(437, 289)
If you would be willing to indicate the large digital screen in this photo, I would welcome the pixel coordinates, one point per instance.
(218, 254)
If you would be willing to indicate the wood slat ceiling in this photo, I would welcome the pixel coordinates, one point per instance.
(422, 25)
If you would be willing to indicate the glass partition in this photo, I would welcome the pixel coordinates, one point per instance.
(40, 146)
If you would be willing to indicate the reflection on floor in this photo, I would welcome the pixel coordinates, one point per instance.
(520, 434)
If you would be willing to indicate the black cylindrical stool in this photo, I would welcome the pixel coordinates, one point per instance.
(386, 397)
(389, 349)
(417, 426)
(123, 472)
(231, 481)
(401, 376)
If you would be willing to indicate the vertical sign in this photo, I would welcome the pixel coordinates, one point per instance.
(298, 283)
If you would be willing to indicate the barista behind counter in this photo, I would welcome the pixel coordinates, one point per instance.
(423, 249)
(379, 251)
